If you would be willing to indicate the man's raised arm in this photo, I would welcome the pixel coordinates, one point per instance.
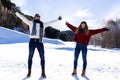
(53, 21)
(24, 19)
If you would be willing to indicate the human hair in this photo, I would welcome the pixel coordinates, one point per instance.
(80, 27)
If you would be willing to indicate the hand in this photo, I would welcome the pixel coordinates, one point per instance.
(59, 18)
(106, 29)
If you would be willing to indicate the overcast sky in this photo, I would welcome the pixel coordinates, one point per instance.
(73, 11)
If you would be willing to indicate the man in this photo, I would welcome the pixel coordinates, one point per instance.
(36, 35)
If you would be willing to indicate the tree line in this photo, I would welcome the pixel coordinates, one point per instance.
(53, 33)
(8, 19)
(110, 39)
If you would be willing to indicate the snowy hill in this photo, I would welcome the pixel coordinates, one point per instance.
(9, 36)
(103, 64)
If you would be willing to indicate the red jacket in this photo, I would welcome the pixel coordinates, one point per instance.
(83, 38)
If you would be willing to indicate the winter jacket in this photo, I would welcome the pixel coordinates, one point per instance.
(30, 23)
(83, 38)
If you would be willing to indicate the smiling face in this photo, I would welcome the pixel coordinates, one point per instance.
(83, 25)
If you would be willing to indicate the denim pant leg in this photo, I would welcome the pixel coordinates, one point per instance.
(84, 56)
(31, 53)
(76, 55)
(40, 48)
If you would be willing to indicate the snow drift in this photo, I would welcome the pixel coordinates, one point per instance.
(8, 36)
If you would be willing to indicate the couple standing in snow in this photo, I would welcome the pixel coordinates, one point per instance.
(81, 36)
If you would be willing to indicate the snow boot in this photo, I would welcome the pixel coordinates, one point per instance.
(83, 72)
(43, 74)
(29, 73)
(74, 72)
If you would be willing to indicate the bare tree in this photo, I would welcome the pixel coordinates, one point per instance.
(111, 39)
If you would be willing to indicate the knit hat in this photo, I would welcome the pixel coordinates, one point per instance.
(83, 22)
(37, 15)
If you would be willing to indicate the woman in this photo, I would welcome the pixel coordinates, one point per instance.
(82, 37)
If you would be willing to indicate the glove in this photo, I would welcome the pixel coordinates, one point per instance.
(106, 29)
(59, 18)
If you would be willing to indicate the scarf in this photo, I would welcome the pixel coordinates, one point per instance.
(41, 29)
(81, 31)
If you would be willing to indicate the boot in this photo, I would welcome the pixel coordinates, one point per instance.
(74, 72)
(43, 74)
(83, 72)
(29, 73)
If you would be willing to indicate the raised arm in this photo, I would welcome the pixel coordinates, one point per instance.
(23, 18)
(73, 28)
(53, 21)
(93, 32)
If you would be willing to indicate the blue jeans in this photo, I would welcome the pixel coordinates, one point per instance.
(40, 47)
(83, 48)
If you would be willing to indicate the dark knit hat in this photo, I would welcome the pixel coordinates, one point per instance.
(37, 15)
(83, 22)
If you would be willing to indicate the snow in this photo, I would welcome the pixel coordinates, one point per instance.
(9, 36)
(103, 64)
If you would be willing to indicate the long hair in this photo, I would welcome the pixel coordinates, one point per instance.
(80, 27)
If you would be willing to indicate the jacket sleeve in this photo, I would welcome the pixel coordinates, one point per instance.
(50, 22)
(93, 32)
(73, 28)
(24, 19)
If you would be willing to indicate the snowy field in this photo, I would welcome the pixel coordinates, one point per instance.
(103, 64)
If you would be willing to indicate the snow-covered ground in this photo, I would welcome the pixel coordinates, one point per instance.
(8, 36)
(103, 64)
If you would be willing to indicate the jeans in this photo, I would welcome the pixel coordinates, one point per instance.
(34, 43)
(83, 48)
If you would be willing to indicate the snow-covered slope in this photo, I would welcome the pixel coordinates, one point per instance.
(103, 64)
(9, 36)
